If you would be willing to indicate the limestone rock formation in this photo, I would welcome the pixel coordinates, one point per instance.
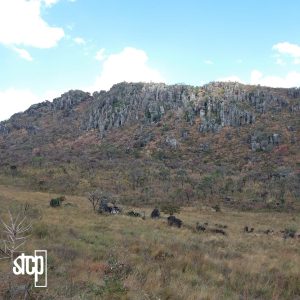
(217, 105)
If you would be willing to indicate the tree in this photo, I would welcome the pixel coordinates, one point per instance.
(14, 170)
(170, 208)
(96, 197)
(15, 235)
(182, 176)
(189, 193)
(137, 177)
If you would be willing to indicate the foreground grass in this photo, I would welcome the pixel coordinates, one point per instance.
(92, 256)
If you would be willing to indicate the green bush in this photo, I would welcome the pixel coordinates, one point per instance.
(170, 208)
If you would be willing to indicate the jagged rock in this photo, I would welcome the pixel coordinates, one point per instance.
(294, 92)
(66, 102)
(31, 129)
(255, 146)
(293, 139)
(172, 142)
(263, 141)
(148, 102)
(3, 128)
(291, 128)
(129, 103)
(216, 105)
(209, 126)
(184, 134)
(37, 109)
(70, 99)
(204, 147)
(275, 138)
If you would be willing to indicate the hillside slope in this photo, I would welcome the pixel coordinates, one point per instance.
(146, 143)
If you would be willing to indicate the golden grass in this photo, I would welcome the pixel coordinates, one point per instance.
(94, 256)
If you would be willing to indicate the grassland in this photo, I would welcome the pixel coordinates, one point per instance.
(92, 256)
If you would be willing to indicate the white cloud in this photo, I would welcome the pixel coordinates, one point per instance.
(100, 54)
(288, 49)
(79, 41)
(50, 2)
(292, 79)
(51, 94)
(129, 65)
(21, 24)
(208, 62)
(255, 77)
(13, 100)
(232, 78)
(23, 53)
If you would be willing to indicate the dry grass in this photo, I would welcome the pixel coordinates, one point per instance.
(118, 257)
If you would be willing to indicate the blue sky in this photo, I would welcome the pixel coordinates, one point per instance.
(50, 46)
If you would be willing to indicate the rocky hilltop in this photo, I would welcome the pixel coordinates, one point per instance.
(215, 133)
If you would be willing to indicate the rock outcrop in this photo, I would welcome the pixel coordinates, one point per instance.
(70, 99)
(263, 142)
(130, 103)
(215, 105)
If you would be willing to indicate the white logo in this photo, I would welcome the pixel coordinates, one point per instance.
(33, 265)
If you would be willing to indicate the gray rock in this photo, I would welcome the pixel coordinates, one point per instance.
(204, 147)
(70, 99)
(255, 146)
(4, 129)
(263, 141)
(172, 142)
(291, 128)
(184, 134)
(127, 103)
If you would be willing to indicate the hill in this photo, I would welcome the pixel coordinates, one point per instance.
(226, 143)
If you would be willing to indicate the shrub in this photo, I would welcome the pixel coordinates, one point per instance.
(170, 208)
(290, 232)
(217, 208)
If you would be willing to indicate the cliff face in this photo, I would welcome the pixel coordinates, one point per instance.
(217, 105)
(250, 132)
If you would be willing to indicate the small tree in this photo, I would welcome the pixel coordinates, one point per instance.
(14, 170)
(182, 176)
(97, 197)
(15, 234)
(170, 208)
(137, 177)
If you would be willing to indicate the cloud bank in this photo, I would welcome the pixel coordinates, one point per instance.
(129, 65)
(21, 24)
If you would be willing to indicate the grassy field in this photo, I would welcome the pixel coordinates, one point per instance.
(92, 256)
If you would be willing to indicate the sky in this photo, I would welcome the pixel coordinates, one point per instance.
(48, 47)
